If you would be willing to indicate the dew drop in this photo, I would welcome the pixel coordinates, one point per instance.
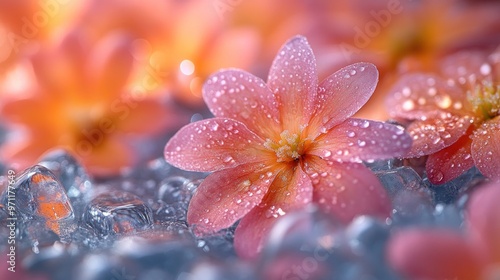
(406, 91)
(408, 105)
(485, 69)
(444, 102)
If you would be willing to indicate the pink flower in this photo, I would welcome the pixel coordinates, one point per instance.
(456, 115)
(447, 254)
(279, 146)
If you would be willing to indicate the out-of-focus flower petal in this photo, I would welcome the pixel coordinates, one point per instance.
(347, 190)
(293, 79)
(433, 254)
(66, 75)
(228, 49)
(214, 144)
(110, 67)
(136, 115)
(483, 219)
(357, 140)
(342, 94)
(102, 159)
(486, 148)
(239, 95)
(21, 153)
(421, 96)
(108, 157)
(290, 190)
(227, 195)
(11, 111)
(459, 67)
(436, 133)
(448, 163)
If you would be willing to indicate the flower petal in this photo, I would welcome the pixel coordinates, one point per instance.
(239, 95)
(60, 71)
(450, 162)
(293, 79)
(417, 96)
(145, 116)
(110, 67)
(486, 148)
(25, 111)
(107, 158)
(342, 94)
(433, 254)
(483, 218)
(290, 190)
(214, 144)
(460, 66)
(436, 133)
(347, 190)
(227, 195)
(356, 140)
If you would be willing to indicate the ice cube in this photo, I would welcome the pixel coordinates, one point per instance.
(116, 213)
(71, 174)
(38, 195)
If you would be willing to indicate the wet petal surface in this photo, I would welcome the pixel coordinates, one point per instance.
(239, 95)
(356, 140)
(291, 190)
(226, 196)
(434, 134)
(342, 94)
(293, 79)
(448, 163)
(486, 148)
(347, 190)
(213, 144)
(421, 96)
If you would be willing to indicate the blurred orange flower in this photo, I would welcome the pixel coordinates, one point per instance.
(181, 41)
(26, 22)
(81, 103)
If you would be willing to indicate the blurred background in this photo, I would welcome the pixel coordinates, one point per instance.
(110, 81)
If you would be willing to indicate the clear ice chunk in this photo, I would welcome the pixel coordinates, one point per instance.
(173, 196)
(69, 171)
(452, 190)
(37, 195)
(116, 213)
(412, 201)
(72, 175)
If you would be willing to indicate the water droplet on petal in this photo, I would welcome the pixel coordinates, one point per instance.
(408, 105)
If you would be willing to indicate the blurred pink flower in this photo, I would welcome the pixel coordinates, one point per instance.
(456, 115)
(279, 146)
(401, 36)
(435, 253)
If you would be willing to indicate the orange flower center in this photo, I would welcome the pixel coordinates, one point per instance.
(485, 100)
(289, 148)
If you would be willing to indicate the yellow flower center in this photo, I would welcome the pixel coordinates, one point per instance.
(485, 100)
(289, 148)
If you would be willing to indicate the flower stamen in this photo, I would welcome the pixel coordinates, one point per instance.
(485, 99)
(289, 148)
